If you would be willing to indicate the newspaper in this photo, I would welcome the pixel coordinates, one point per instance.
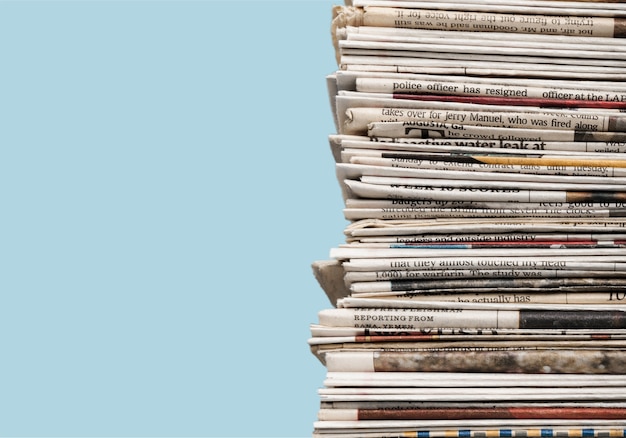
(487, 238)
(414, 315)
(419, 379)
(495, 5)
(460, 413)
(595, 91)
(476, 20)
(609, 394)
(412, 405)
(344, 151)
(346, 101)
(521, 288)
(358, 120)
(338, 143)
(322, 334)
(557, 54)
(478, 68)
(480, 288)
(521, 101)
(451, 260)
(475, 345)
(374, 227)
(497, 39)
(344, 80)
(473, 432)
(484, 178)
(357, 277)
(472, 190)
(397, 209)
(537, 165)
(548, 96)
(531, 316)
(571, 8)
(517, 210)
(505, 64)
(422, 129)
(532, 361)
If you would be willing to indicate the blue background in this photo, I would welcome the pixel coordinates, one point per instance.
(165, 183)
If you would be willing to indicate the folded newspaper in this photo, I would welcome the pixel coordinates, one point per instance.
(480, 151)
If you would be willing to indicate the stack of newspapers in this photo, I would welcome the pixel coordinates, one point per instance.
(481, 155)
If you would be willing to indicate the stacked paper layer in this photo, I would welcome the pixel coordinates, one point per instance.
(481, 154)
